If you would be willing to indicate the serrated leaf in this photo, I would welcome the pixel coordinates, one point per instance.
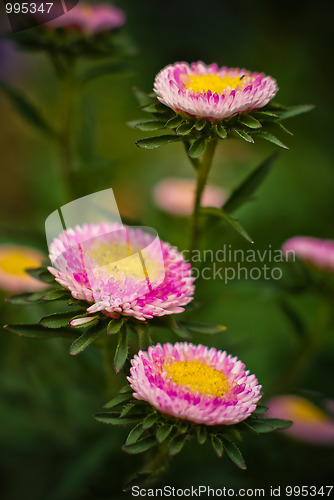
(217, 212)
(248, 187)
(176, 444)
(185, 128)
(142, 98)
(57, 320)
(250, 121)
(19, 300)
(28, 110)
(162, 432)
(115, 325)
(202, 434)
(174, 122)
(234, 454)
(295, 111)
(197, 148)
(203, 328)
(244, 135)
(87, 338)
(121, 350)
(114, 419)
(140, 446)
(134, 434)
(217, 445)
(150, 420)
(271, 138)
(117, 400)
(38, 331)
(157, 142)
(147, 126)
(220, 130)
(55, 294)
(128, 409)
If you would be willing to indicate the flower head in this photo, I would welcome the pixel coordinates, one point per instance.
(316, 251)
(177, 195)
(195, 383)
(90, 19)
(14, 260)
(211, 92)
(310, 423)
(121, 270)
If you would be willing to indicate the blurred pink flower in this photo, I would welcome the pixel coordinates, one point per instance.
(14, 260)
(310, 423)
(195, 383)
(318, 252)
(90, 19)
(212, 92)
(177, 196)
(121, 270)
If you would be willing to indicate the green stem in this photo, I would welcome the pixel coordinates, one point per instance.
(112, 380)
(144, 337)
(202, 177)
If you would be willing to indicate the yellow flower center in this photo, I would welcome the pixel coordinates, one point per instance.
(16, 263)
(302, 409)
(118, 260)
(215, 83)
(198, 377)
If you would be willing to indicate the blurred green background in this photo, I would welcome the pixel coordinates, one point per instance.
(52, 448)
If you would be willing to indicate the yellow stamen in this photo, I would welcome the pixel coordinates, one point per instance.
(215, 83)
(198, 377)
(16, 263)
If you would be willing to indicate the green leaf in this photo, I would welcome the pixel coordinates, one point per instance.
(234, 454)
(114, 419)
(55, 294)
(147, 126)
(260, 409)
(87, 338)
(119, 399)
(202, 434)
(248, 187)
(150, 420)
(244, 135)
(283, 128)
(182, 426)
(271, 138)
(220, 130)
(41, 274)
(126, 388)
(157, 142)
(295, 111)
(57, 320)
(279, 423)
(142, 98)
(260, 426)
(185, 128)
(200, 124)
(27, 110)
(38, 331)
(217, 445)
(175, 121)
(134, 434)
(203, 328)
(20, 300)
(140, 446)
(180, 332)
(265, 115)
(197, 148)
(217, 212)
(155, 108)
(115, 325)
(176, 444)
(162, 432)
(250, 121)
(128, 409)
(121, 350)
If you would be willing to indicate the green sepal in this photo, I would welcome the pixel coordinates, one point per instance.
(148, 125)
(150, 420)
(203, 327)
(202, 434)
(57, 320)
(162, 432)
(134, 434)
(220, 130)
(185, 128)
(244, 135)
(157, 142)
(121, 352)
(174, 122)
(295, 111)
(176, 444)
(200, 124)
(197, 148)
(41, 274)
(140, 446)
(234, 454)
(118, 400)
(249, 121)
(267, 136)
(115, 325)
(87, 338)
(114, 419)
(142, 98)
(217, 445)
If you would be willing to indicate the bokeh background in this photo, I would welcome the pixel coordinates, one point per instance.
(52, 448)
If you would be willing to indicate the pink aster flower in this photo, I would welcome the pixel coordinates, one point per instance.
(211, 92)
(121, 270)
(14, 260)
(310, 423)
(318, 252)
(177, 196)
(90, 19)
(194, 383)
